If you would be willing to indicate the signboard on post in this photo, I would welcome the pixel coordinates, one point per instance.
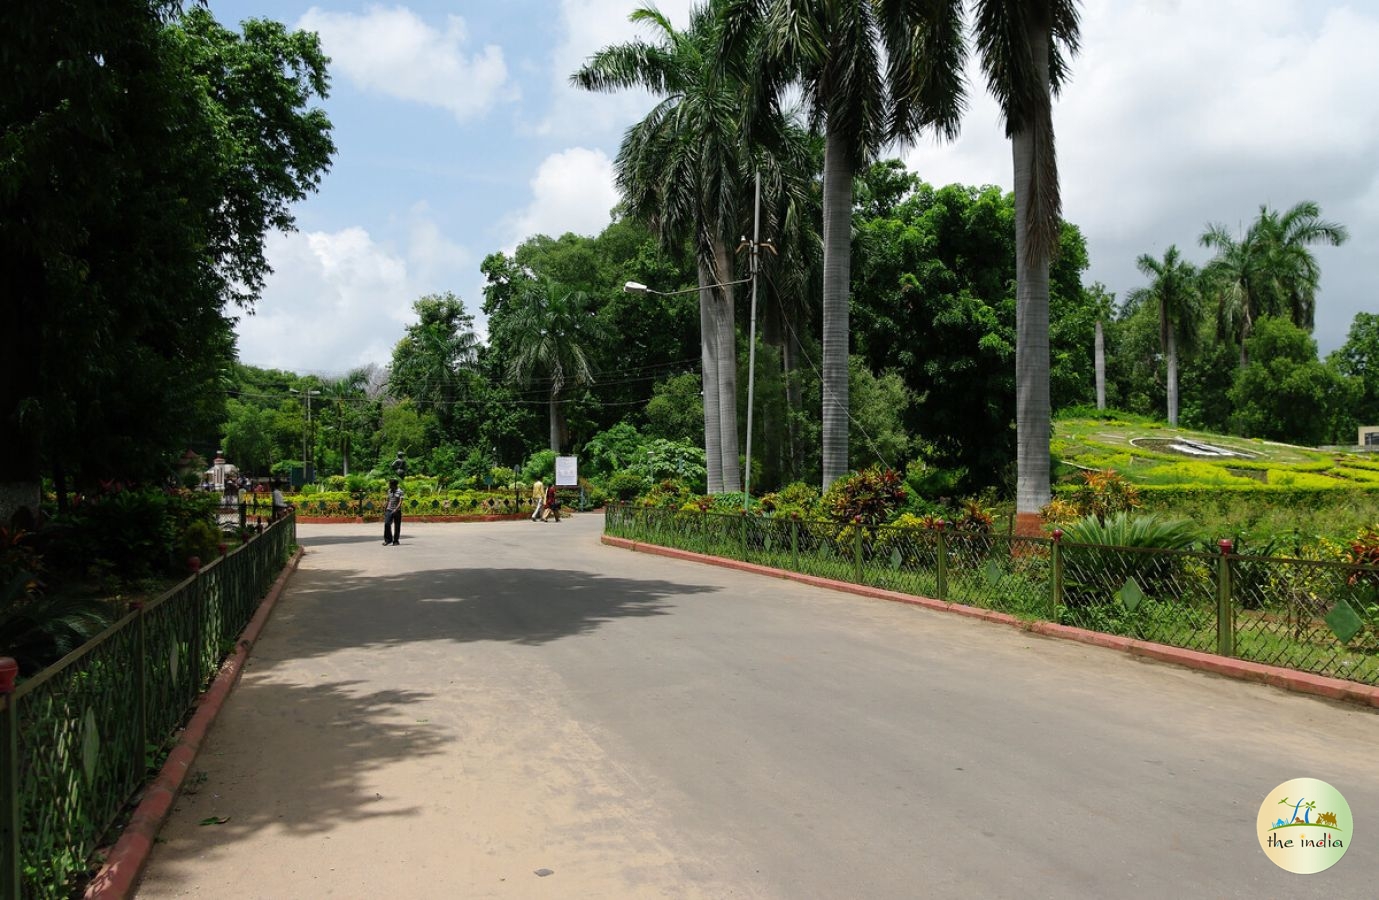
(566, 471)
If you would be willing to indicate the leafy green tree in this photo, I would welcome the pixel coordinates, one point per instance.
(879, 404)
(1268, 271)
(1284, 393)
(612, 450)
(403, 428)
(551, 329)
(148, 153)
(1173, 292)
(1358, 359)
(435, 363)
(656, 336)
(248, 440)
(341, 398)
(871, 72)
(1024, 45)
(673, 412)
(934, 300)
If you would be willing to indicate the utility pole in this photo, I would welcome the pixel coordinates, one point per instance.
(306, 435)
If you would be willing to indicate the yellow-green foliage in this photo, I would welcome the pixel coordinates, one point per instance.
(1190, 472)
(1358, 473)
(1300, 479)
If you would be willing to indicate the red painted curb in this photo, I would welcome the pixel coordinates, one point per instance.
(1241, 669)
(125, 862)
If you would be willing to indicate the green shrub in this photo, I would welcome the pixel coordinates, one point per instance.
(625, 485)
(872, 495)
(1101, 566)
(668, 494)
(200, 540)
(594, 496)
(612, 450)
(1124, 530)
(35, 628)
(541, 465)
(677, 460)
(796, 498)
(932, 482)
(127, 536)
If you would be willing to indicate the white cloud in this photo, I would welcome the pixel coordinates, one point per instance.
(572, 191)
(1179, 114)
(391, 51)
(587, 27)
(341, 299)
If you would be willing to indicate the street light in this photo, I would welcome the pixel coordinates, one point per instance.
(306, 465)
(636, 287)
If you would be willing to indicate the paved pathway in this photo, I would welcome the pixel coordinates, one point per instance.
(451, 717)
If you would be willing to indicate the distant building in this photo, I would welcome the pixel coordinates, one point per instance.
(1369, 437)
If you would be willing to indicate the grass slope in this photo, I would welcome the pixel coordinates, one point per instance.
(1152, 454)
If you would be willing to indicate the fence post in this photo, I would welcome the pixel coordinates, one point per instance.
(795, 541)
(942, 588)
(1225, 609)
(9, 782)
(857, 550)
(194, 660)
(1056, 594)
(744, 535)
(141, 683)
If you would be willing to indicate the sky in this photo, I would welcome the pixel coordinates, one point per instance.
(458, 135)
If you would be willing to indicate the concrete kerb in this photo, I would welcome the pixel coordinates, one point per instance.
(125, 862)
(1244, 670)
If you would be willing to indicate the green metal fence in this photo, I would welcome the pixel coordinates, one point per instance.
(1320, 617)
(79, 739)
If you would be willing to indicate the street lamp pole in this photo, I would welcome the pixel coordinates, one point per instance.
(306, 435)
(752, 342)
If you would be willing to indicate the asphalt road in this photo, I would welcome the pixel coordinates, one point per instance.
(454, 716)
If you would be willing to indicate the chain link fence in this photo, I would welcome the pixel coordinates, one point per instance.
(1320, 617)
(81, 737)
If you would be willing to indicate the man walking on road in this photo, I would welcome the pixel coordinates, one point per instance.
(538, 500)
(392, 515)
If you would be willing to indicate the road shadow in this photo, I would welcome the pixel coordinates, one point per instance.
(326, 611)
(311, 778)
(324, 540)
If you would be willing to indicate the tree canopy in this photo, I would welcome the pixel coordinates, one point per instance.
(148, 152)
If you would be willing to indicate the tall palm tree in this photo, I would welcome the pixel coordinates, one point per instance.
(1023, 46)
(437, 355)
(1173, 290)
(552, 331)
(1269, 271)
(342, 391)
(871, 72)
(683, 169)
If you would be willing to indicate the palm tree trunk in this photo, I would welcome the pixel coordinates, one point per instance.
(1100, 366)
(557, 423)
(727, 369)
(708, 348)
(1172, 362)
(837, 247)
(1032, 149)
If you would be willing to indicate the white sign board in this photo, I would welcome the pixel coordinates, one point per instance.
(567, 471)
